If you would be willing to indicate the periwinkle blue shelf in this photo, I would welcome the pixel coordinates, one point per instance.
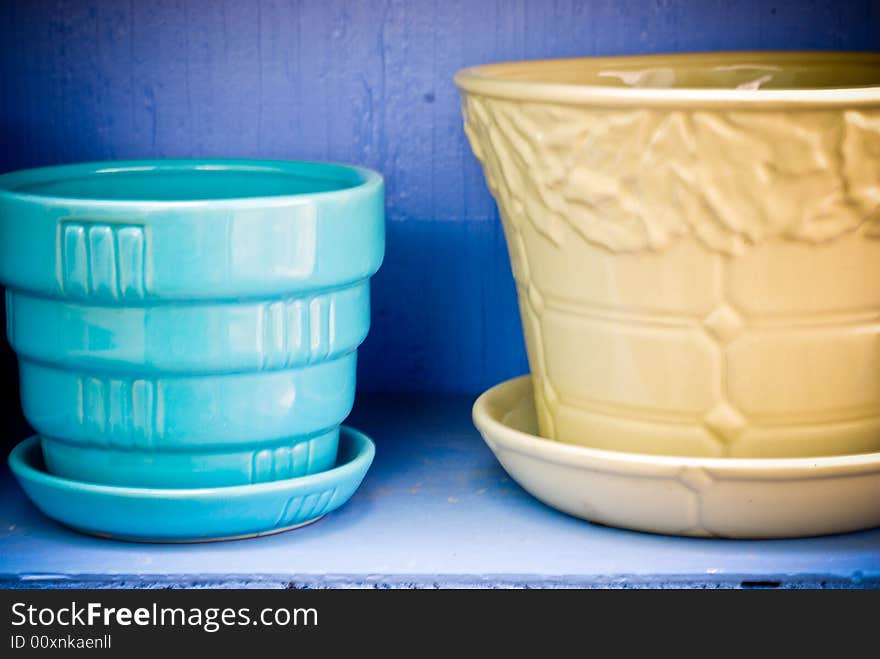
(436, 510)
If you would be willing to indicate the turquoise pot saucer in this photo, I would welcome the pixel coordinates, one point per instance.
(193, 515)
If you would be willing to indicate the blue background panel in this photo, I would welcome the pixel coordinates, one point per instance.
(365, 82)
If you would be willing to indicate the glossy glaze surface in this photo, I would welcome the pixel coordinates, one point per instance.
(189, 323)
(695, 257)
(701, 497)
(197, 514)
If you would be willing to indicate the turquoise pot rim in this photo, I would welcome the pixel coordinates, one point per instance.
(351, 178)
(363, 450)
(166, 231)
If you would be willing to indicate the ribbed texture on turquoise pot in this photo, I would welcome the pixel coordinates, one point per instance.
(112, 466)
(189, 323)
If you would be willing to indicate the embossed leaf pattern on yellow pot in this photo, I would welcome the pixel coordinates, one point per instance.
(632, 179)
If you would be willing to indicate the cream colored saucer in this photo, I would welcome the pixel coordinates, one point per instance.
(722, 497)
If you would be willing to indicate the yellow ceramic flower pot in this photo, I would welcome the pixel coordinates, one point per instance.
(695, 244)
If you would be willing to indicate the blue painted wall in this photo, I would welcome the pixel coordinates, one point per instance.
(365, 82)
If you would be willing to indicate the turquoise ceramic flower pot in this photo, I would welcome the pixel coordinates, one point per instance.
(189, 323)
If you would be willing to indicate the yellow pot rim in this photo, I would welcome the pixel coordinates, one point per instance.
(496, 80)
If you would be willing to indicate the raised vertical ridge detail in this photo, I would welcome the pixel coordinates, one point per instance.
(104, 260)
(282, 462)
(74, 260)
(94, 405)
(119, 426)
(158, 423)
(80, 401)
(274, 339)
(287, 463)
(317, 322)
(297, 328)
(123, 412)
(296, 332)
(131, 262)
(261, 464)
(142, 410)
